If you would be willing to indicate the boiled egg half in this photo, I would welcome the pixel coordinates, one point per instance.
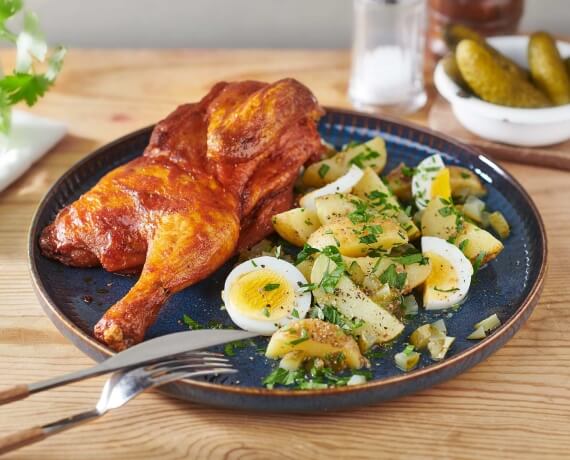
(343, 184)
(430, 180)
(450, 277)
(264, 293)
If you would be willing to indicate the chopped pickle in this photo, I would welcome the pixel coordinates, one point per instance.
(439, 346)
(477, 334)
(499, 224)
(489, 323)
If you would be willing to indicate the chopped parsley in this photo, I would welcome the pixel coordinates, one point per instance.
(465, 175)
(295, 313)
(410, 259)
(323, 170)
(407, 171)
(271, 286)
(367, 154)
(478, 261)
(392, 278)
(361, 214)
(305, 253)
(368, 239)
(304, 337)
(311, 379)
(191, 323)
(331, 278)
(332, 315)
(463, 245)
(266, 312)
(230, 348)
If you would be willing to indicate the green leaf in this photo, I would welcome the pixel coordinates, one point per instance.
(24, 87)
(9, 8)
(30, 44)
(191, 323)
(271, 286)
(394, 279)
(411, 259)
(323, 170)
(305, 253)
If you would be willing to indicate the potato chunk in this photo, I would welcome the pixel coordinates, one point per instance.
(356, 240)
(380, 326)
(465, 182)
(371, 153)
(374, 191)
(331, 207)
(296, 225)
(438, 221)
(313, 338)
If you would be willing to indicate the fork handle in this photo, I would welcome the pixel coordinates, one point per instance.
(14, 393)
(21, 438)
(38, 433)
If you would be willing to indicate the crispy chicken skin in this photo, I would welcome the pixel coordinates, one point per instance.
(208, 183)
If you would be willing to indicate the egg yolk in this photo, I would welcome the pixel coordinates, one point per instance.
(441, 184)
(443, 278)
(262, 295)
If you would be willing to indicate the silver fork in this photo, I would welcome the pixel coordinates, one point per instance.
(119, 389)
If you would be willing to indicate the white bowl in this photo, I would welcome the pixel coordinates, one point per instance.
(526, 127)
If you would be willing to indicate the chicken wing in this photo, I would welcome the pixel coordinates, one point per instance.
(209, 181)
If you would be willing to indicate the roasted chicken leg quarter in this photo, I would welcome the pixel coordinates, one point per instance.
(207, 185)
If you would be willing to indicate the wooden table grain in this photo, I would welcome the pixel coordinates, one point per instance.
(516, 404)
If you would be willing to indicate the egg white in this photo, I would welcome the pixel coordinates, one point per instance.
(461, 266)
(424, 175)
(343, 184)
(301, 303)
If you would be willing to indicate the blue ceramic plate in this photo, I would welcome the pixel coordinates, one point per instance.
(75, 299)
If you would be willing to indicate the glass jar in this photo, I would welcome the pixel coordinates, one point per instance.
(488, 17)
(387, 55)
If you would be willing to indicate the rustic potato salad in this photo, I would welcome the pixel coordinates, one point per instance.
(372, 252)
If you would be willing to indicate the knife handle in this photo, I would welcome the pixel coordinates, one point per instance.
(21, 439)
(14, 393)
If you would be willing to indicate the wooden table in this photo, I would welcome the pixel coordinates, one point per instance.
(515, 404)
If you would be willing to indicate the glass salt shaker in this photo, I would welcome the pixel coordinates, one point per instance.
(387, 55)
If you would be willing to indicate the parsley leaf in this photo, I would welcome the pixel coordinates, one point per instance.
(25, 84)
(332, 315)
(191, 323)
(411, 259)
(323, 170)
(394, 279)
(230, 348)
(407, 171)
(271, 286)
(478, 261)
(304, 337)
(305, 253)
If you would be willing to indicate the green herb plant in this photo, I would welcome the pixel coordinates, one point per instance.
(26, 82)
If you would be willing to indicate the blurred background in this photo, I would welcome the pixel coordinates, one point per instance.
(229, 23)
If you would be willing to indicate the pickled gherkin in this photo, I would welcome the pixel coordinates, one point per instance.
(489, 80)
(453, 34)
(547, 68)
(452, 70)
